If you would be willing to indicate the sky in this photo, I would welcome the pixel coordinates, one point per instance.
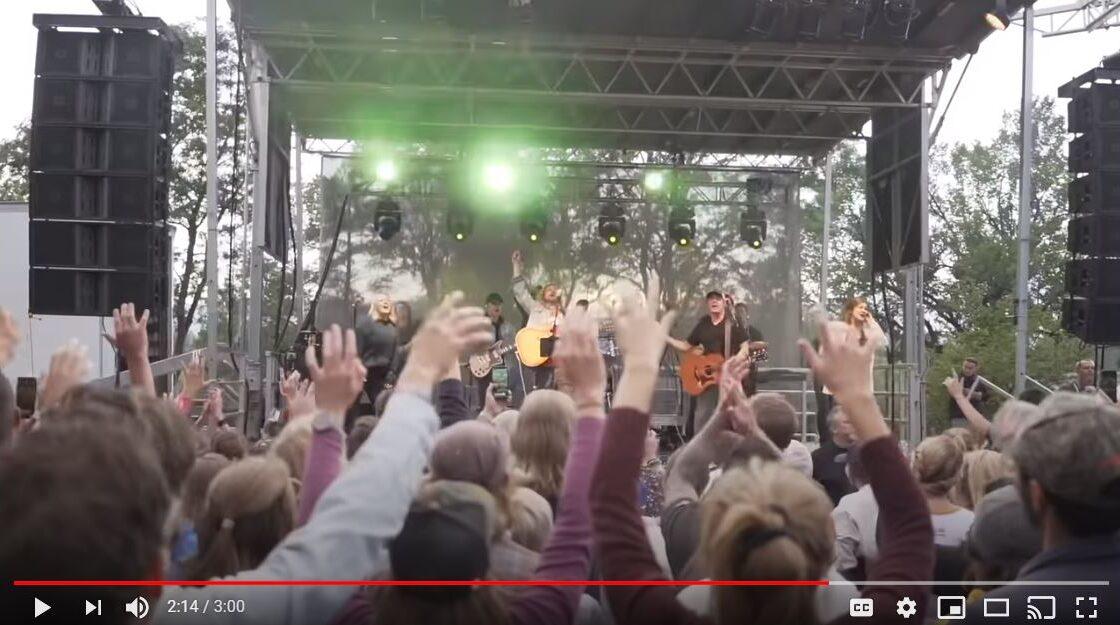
(991, 86)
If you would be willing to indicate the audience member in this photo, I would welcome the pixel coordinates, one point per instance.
(363, 427)
(937, 467)
(530, 518)
(540, 442)
(827, 470)
(651, 480)
(1069, 481)
(982, 471)
(856, 520)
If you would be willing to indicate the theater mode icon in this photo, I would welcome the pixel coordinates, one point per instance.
(996, 607)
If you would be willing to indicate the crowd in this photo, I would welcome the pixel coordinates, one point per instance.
(124, 485)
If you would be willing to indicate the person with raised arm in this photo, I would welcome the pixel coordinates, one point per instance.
(546, 313)
(348, 533)
(762, 522)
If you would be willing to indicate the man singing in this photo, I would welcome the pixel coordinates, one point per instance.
(708, 338)
(545, 313)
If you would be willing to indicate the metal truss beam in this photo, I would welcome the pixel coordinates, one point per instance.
(602, 92)
(1081, 16)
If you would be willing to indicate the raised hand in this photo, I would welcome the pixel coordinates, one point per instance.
(130, 335)
(212, 410)
(843, 363)
(69, 368)
(9, 337)
(449, 333)
(579, 362)
(641, 337)
(518, 263)
(492, 406)
(194, 377)
(735, 370)
(954, 386)
(339, 378)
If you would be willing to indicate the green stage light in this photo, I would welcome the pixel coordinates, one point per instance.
(386, 171)
(498, 177)
(655, 180)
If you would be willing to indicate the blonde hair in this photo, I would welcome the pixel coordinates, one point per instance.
(292, 443)
(766, 521)
(540, 441)
(937, 464)
(981, 468)
(205, 469)
(250, 508)
(1010, 420)
(530, 519)
(964, 437)
(506, 421)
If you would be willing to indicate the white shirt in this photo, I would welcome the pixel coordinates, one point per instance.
(856, 517)
(950, 530)
(797, 456)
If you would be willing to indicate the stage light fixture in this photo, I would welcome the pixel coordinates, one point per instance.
(534, 223)
(853, 23)
(654, 180)
(460, 223)
(498, 177)
(809, 18)
(387, 218)
(998, 18)
(682, 226)
(612, 224)
(767, 15)
(899, 15)
(752, 227)
(386, 171)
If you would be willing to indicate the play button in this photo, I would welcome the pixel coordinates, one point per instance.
(40, 607)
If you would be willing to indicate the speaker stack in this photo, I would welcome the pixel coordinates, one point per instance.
(1092, 309)
(99, 168)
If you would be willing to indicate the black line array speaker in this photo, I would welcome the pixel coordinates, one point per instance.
(100, 158)
(1092, 310)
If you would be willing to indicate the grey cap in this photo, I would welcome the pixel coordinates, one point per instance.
(1073, 450)
(1002, 533)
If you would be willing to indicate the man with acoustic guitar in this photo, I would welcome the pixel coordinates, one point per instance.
(715, 338)
(535, 340)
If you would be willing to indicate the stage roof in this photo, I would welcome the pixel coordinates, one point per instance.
(694, 76)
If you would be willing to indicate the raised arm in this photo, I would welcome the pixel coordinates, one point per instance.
(620, 535)
(348, 534)
(130, 336)
(567, 555)
(906, 551)
(520, 285)
(974, 417)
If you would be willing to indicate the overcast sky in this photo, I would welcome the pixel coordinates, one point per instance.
(991, 86)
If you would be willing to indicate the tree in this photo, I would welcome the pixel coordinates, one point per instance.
(15, 160)
(187, 211)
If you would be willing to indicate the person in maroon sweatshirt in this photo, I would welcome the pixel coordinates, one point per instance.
(748, 533)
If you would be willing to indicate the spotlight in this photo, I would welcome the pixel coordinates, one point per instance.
(899, 14)
(612, 224)
(809, 18)
(460, 223)
(682, 226)
(498, 177)
(998, 18)
(534, 224)
(386, 171)
(387, 218)
(752, 227)
(654, 180)
(853, 23)
(767, 15)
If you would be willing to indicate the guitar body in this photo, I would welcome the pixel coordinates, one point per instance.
(534, 346)
(482, 363)
(699, 373)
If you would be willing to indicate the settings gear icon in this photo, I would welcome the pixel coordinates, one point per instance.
(907, 607)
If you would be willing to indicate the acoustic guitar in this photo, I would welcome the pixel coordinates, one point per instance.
(700, 372)
(534, 346)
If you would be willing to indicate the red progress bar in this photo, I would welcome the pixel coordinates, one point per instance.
(487, 582)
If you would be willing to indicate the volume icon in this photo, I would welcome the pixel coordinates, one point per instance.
(138, 607)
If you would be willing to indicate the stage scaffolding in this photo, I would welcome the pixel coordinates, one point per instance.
(777, 104)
